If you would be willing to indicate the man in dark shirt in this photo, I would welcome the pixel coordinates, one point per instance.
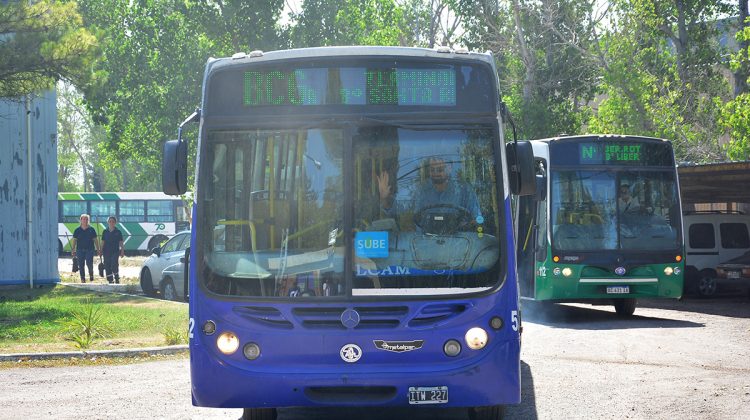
(85, 242)
(112, 249)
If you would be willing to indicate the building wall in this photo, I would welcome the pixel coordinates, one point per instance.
(14, 164)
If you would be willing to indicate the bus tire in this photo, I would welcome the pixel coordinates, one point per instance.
(146, 284)
(707, 283)
(491, 412)
(155, 241)
(168, 292)
(625, 307)
(259, 414)
(59, 248)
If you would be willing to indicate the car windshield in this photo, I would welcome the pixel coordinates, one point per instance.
(610, 210)
(423, 216)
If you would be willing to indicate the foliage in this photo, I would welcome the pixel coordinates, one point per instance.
(661, 75)
(41, 42)
(87, 324)
(736, 113)
(173, 336)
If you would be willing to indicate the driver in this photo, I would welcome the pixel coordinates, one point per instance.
(626, 203)
(440, 190)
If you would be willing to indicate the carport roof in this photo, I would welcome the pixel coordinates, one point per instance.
(723, 182)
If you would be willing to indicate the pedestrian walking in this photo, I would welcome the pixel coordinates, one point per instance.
(85, 243)
(112, 248)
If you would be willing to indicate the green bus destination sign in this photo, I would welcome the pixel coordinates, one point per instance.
(350, 86)
(610, 153)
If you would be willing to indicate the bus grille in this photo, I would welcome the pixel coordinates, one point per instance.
(266, 315)
(370, 317)
(431, 315)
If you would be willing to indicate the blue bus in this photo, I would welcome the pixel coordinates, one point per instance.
(353, 238)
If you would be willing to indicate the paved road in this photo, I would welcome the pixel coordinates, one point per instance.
(672, 360)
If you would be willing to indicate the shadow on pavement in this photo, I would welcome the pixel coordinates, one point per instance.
(594, 317)
(729, 306)
(527, 408)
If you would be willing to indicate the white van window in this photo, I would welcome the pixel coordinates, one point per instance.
(701, 236)
(734, 235)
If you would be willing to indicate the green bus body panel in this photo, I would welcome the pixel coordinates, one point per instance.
(69, 196)
(551, 286)
(132, 233)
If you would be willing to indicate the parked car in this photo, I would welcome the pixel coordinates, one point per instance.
(712, 238)
(733, 274)
(172, 284)
(162, 257)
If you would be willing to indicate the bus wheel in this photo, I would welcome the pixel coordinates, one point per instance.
(155, 241)
(625, 307)
(259, 414)
(59, 248)
(707, 283)
(146, 284)
(491, 412)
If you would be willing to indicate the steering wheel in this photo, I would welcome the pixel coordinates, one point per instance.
(460, 218)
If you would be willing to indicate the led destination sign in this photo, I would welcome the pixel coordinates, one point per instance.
(633, 151)
(350, 86)
(605, 153)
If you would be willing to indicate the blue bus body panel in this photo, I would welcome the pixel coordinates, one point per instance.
(301, 362)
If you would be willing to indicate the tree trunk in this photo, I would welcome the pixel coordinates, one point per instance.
(526, 56)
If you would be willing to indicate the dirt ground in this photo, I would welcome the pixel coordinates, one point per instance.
(130, 268)
(674, 359)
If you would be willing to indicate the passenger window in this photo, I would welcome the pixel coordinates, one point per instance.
(173, 244)
(734, 235)
(702, 236)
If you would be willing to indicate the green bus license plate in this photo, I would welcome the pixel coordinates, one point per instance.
(617, 290)
(428, 395)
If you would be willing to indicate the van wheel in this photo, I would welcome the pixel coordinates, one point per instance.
(707, 283)
(492, 412)
(625, 307)
(259, 414)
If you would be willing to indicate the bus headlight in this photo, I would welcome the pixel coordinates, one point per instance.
(227, 342)
(668, 271)
(476, 338)
(567, 271)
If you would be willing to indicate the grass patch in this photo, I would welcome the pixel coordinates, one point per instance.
(38, 320)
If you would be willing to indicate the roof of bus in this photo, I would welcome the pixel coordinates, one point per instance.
(99, 196)
(348, 51)
(599, 137)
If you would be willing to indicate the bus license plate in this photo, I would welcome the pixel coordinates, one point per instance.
(618, 290)
(733, 274)
(428, 395)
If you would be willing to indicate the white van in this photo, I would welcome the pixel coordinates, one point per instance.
(712, 238)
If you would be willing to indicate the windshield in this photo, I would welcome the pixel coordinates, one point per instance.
(611, 210)
(422, 217)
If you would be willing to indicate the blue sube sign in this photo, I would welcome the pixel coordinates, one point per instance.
(371, 244)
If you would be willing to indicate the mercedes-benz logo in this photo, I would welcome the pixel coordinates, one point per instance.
(350, 318)
(350, 353)
(620, 271)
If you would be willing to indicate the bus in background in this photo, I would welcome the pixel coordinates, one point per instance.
(605, 224)
(308, 289)
(146, 219)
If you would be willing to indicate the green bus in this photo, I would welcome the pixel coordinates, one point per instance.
(145, 219)
(605, 225)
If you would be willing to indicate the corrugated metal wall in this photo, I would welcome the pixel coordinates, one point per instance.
(14, 229)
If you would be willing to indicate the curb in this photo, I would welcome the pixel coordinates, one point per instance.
(146, 351)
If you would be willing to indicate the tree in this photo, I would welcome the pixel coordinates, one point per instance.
(662, 76)
(153, 56)
(41, 42)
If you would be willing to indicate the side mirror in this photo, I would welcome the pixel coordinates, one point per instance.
(157, 251)
(174, 167)
(521, 171)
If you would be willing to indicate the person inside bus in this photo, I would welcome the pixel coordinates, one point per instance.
(440, 190)
(85, 242)
(625, 202)
(112, 248)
